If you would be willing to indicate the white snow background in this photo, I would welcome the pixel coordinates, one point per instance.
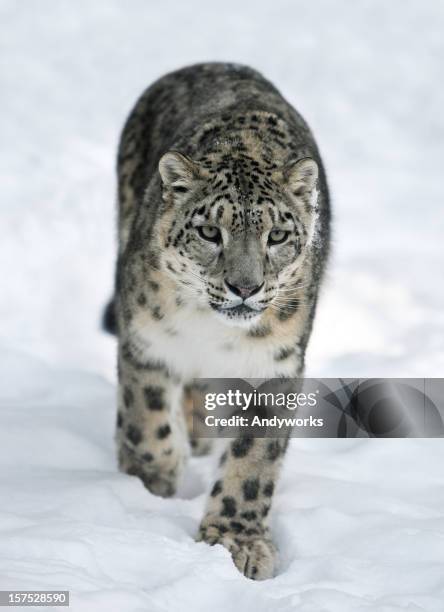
(359, 524)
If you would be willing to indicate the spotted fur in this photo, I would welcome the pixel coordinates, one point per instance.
(223, 238)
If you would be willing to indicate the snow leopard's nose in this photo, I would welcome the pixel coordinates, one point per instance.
(243, 291)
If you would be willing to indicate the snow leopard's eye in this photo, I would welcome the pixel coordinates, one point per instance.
(277, 236)
(209, 232)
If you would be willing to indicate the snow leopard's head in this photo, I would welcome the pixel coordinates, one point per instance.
(235, 231)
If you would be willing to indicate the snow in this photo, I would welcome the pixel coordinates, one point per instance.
(360, 523)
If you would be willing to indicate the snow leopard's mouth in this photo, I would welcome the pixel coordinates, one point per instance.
(242, 311)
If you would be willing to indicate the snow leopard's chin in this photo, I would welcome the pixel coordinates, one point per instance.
(240, 316)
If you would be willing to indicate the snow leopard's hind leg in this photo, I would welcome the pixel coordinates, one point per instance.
(195, 414)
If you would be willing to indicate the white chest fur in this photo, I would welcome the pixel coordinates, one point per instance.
(196, 344)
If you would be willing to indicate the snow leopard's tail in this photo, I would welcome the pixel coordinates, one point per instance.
(109, 319)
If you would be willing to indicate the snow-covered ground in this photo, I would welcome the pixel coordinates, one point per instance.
(360, 524)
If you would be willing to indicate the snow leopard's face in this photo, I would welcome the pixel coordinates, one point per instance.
(235, 233)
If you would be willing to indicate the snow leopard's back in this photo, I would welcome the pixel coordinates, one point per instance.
(188, 109)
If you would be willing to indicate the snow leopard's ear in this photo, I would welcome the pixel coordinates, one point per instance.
(301, 177)
(178, 171)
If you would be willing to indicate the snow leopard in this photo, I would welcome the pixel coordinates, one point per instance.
(223, 237)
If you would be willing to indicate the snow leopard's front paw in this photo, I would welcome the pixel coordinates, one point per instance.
(159, 476)
(254, 554)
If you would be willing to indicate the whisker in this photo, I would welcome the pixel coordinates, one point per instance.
(292, 287)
